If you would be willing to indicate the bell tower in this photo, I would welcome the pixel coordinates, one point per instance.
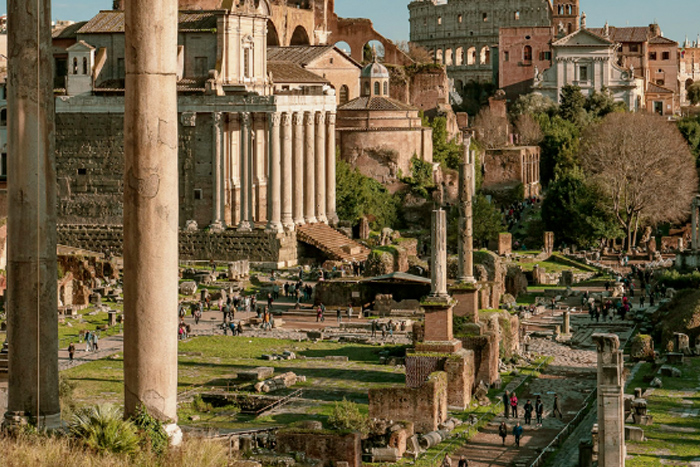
(565, 16)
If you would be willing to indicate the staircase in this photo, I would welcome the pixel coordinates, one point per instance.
(337, 246)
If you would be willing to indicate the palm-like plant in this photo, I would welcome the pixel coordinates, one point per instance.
(102, 428)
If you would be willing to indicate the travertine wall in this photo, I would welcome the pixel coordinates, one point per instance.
(329, 448)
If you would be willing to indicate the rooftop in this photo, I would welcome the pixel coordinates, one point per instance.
(375, 103)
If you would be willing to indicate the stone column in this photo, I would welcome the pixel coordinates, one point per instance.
(611, 407)
(321, 167)
(151, 209)
(217, 172)
(287, 169)
(438, 266)
(188, 120)
(246, 223)
(331, 213)
(32, 300)
(566, 325)
(466, 229)
(298, 168)
(309, 170)
(274, 185)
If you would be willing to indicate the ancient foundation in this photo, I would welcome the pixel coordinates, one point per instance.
(611, 407)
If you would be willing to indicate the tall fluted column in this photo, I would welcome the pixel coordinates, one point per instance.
(298, 168)
(151, 209)
(246, 223)
(331, 212)
(321, 167)
(217, 171)
(274, 184)
(438, 266)
(287, 191)
(31, 238)
(466, 227)
(309, 171)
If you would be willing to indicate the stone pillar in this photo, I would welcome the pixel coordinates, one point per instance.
(331, 212)
(188, 120)
(150, 209)
(32, 300)
(611, 407)
(274, 201)
(549, 242)
(217, 172)
(246, 223)
(287, 169)
(298, 168)
(466, 235)
(309, 170)
(321, 167)
(438, 266)
(566, 326)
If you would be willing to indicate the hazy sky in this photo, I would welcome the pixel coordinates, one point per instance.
(677, 18)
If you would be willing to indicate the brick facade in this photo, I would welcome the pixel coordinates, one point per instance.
(329, 448)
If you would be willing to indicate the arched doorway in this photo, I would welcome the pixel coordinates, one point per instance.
(300, 37)
(273, 39)
(485, 56)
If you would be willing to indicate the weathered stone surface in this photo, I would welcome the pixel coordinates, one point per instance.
(324, 446)
(642, 348)
(188, 288)
(611, 409)
(256, 374)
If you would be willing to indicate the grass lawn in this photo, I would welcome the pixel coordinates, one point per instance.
(674, 437)
(68, 333)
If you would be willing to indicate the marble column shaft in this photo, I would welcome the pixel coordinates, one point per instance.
(274, 186)
(151, 209)
(298, 168)
(309, 169)
(287, 171)
(246, 223)
(217, 169)
(320, 139)
(32, 300)
(438, 265)
(331, 213)
(611, 406)
(466, 227)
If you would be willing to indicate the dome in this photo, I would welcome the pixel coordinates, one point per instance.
(375, 70)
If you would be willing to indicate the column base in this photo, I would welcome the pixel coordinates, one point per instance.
(333, 219)
(322, 219)
(217, 226)
(310, 220)
(288, 225)
(299, 221)
(17, 420)
(274, 227)
(174, 434)
(466, 280)
(245, 226)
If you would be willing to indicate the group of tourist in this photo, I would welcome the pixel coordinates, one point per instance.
(513, 213)
(510, 408)
(298, 291)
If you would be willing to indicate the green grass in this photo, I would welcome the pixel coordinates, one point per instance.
(66, 333)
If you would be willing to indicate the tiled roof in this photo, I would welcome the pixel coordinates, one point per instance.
(69, 32)
(288, 72)
(662, 40)
(109, 21)
(184, 85)
(375, 103)
(627, 34)
(655, 88)
(301, 54)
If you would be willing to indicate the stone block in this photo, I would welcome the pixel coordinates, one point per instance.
(256, 374)
(314, 335)
(505, 244)
(675, 358)
(188, 288)
(385, 455)
(634, 433)
(673, 372)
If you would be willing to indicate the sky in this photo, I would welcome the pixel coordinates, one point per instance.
(677, 18)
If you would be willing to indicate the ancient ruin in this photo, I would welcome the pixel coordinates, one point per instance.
(611, 408)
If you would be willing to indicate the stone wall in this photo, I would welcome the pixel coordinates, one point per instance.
(506, 168)
(486, 357)
(230, 245)
(329, 448)
(426, 406)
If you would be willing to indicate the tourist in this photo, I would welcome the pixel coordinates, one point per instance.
(447, 462)
(198, 316)
(276, 292)
(503, 432)
(71, 351)
(339, 315)
(641, 300)
(350, 312)
(319, 314)
(390, 328)
(266, 321)
(240, 328)
(286, 289)
(506, 404)
(270, 299)
(514, 404)
(463, 462)
(556, 407)
(528, 412)
(88, 341)
(95, 339)
(517, 432)
(382, 327)
(539, 410)
(374, 328)
(233, 328)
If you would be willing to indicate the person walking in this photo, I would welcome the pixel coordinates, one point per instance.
(350, 311)
(88, 341)
(198, 315)
(514, 404)
(528, 412)
(517, 433)
(503, 432)
(506, 404)
(71, 351)
(463, 462)
(95, 340)
(556, 407)
(374, 328)
(339, 315)
(539, 410)
(447, 462)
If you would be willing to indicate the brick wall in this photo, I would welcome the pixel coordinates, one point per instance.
(485, 348)
(329, 448)
(420, 367)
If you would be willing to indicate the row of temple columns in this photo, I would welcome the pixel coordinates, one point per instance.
(299, 171)
(531, 169)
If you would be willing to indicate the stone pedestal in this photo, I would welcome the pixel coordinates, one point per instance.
(467, 301)
(611, 408)
(438, 321)
(505, 244)
(31, 230)
(548, 243)
(364, 228)
(566, 326)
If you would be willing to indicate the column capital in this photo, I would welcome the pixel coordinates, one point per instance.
(245, 118)
(286, 119)
(330, 118)
(308, 118)
(188, 119)
(298, 118)
(218, 118)
(275, 119)
(320, 118)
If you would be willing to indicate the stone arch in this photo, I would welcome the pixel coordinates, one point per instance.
(448, 57)
(485, 55)
(300, 37)
(459, 56)
(3, 117)
(273, 38)
(471, 56)
(345, 47)
(438, 56)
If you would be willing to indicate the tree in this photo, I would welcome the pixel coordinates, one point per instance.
(572, 107)
(643, 166)
(559, 146)
(528, 130)
(487, 221)
(601, 103)
(690, 129)
(445, 151)
(693, 93)
(491, 128)
(415, 52)
(533, 103)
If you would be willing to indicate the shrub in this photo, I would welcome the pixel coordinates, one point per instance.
(102, 429)
(346, 415)
(153, 436)
(200, 406)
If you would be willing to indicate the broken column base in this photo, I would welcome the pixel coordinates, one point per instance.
(467, 298)
(174, 434)
(18, 420)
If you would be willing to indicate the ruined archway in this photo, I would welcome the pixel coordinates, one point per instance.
(471, 56)
(485, 55)
(459, 56)
(448, 57)
(273, 39)
(345, 47)
(300, 37)
(438, 56)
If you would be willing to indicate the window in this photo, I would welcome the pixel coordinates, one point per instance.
(506, 56)
(344, 94)
(75, 66)
(85, 65)
(459, 18)
(485, 17)
(367, 88)
(660, 82)
(583, 73)
(439, 20)
(652, 55)
(200, 65)
(82, 171)
(376, 88)
(547, 55)
(527, 54)
(3, 115)
(517, 16)
(198, 193)
(665, 56)
(634, 48)
(386, 88)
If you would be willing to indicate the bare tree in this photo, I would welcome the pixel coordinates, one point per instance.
(417, 53)
(644, 166)
(528, 130)
(491, 128)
